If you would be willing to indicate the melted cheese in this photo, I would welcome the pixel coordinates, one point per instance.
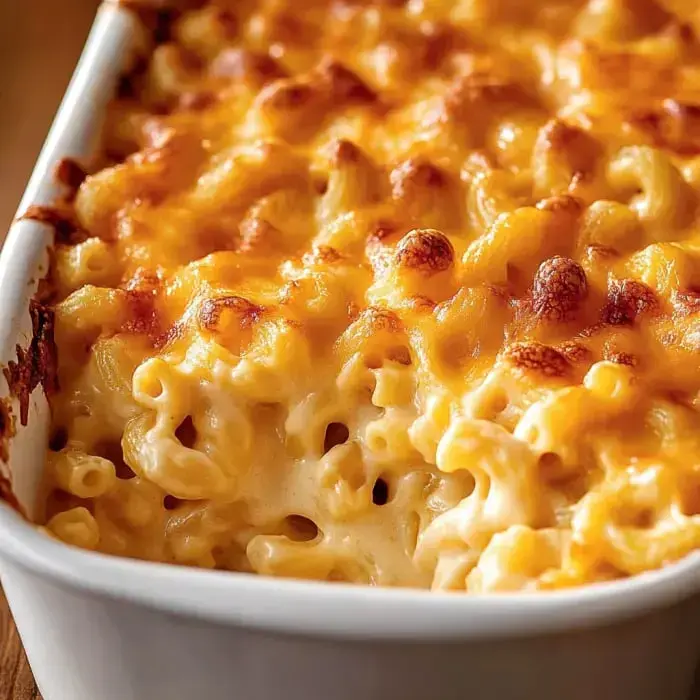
(399, 292)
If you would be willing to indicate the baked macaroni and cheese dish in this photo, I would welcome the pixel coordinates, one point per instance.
(393, 292)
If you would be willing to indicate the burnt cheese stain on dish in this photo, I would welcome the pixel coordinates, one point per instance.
(37, 365)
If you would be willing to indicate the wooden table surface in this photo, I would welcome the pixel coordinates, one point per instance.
(16, 680)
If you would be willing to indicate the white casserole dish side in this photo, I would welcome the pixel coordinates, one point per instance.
(101, 628)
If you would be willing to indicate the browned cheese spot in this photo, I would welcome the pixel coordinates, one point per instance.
(674, 126)
(619, 68)
(426, 251)
(575, 352)
(380, 333)
(565, 137)
(342, 84)
(142, 316)
(577, 147)
(380, 319)
(627, 300)
(532, 356)
(482, 88)
(211, 310)
(415, 175)
(621, 358)
(286, 94)
(344, 152)
(558, 289)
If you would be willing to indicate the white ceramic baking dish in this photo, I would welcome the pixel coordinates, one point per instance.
(101, 628)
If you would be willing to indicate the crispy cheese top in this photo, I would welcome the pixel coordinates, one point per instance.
(401, 292)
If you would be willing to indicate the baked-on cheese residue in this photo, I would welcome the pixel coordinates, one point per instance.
(395, 292)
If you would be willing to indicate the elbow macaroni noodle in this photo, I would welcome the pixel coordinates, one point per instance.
(397, 292)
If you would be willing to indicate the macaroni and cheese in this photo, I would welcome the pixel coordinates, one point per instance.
(394, 292)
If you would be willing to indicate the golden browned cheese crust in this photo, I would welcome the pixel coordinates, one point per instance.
(397, 292)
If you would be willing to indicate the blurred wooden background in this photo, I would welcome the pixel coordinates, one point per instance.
(40, 41)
